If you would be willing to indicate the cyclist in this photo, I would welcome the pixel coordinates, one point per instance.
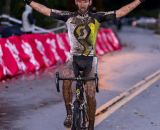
(82, 31)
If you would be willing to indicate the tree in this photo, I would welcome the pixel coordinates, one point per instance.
(6, 9)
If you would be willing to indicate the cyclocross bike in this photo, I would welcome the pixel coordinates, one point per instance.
(79, 106)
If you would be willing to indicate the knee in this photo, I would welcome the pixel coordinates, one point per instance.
(91, 95)
(90, 91)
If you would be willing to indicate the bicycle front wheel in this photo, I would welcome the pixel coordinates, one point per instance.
(76, 125)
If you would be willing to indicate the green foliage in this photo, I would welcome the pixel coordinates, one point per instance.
(17, 7)
(146, 13)
(45, 21)
(1, 6)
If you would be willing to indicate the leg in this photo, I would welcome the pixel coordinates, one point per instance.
(67, 95)
(91, 100)
(90, 92)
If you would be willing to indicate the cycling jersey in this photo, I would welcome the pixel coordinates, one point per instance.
(82, 29)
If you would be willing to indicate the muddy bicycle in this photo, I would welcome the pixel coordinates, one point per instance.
(79, 106)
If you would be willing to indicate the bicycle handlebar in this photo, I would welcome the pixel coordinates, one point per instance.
(77, 79)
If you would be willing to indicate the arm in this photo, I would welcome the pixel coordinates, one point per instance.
(39, 7)
(128, 8)
(57, 14)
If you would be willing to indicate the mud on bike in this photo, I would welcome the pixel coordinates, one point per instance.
(80, 117)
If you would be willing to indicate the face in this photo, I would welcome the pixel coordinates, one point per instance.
(83, 5)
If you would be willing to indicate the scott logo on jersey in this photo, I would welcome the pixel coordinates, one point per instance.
(86, 35)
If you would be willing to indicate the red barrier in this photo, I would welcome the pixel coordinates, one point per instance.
(28, 53)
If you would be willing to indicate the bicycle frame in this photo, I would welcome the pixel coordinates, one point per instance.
(80, 116)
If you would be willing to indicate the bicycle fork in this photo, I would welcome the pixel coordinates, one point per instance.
(80, 106)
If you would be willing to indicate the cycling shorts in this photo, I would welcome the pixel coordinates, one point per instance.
(87, 64)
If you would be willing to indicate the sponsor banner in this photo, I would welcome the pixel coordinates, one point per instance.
(31, 52)
(60, 53)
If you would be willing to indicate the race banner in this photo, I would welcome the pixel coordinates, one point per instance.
(31, 52)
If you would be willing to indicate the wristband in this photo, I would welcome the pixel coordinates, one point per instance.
(28, 1)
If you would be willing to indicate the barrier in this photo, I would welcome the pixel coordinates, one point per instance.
(31, 52)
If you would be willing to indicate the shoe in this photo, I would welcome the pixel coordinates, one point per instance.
(68, 121)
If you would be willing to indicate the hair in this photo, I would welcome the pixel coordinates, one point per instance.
(89, 1)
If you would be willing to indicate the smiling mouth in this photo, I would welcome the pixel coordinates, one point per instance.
(83, 8)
